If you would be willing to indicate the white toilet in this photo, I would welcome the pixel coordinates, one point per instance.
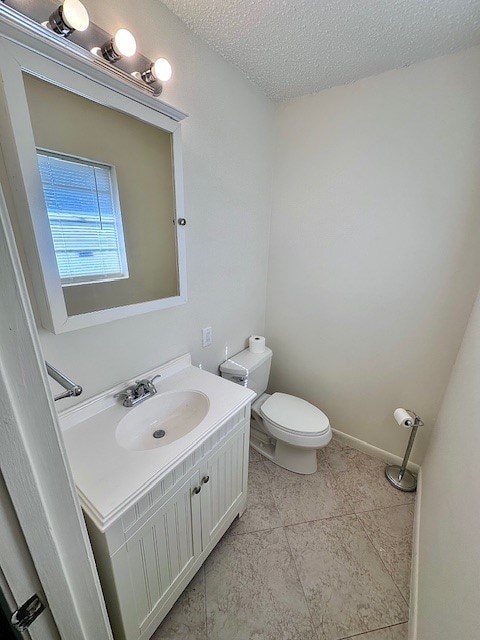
(285, 429)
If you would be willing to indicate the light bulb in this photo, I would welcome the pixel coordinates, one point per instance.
(162, 70)
(69, 17)
(158, 72)
(124, 43)
(75, 15)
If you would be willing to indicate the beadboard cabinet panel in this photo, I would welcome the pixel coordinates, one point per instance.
(225, 470)
(162, 551)
(149, 555)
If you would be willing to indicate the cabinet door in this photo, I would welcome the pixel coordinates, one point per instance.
(162, 551)
(224, 488)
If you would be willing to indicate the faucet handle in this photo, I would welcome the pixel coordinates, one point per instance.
(152, 380)
(127, 395)
(146, 385)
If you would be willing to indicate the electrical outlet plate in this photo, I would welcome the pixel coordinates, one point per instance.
(207, 336)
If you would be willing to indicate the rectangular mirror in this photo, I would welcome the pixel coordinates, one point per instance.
(102, 178)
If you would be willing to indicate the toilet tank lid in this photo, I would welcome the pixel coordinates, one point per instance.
(245, 362)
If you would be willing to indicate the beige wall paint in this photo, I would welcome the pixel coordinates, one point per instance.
(448, 555)
(227, 151)
(142, 156)
(374, 255)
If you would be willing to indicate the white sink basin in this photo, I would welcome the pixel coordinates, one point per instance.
(161, 420)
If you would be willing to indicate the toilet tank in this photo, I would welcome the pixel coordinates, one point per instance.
(249, 369)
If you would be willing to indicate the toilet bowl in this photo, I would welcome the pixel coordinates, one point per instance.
(284, 428)
(295, 430)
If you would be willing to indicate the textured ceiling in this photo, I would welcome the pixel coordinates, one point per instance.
(290, 48)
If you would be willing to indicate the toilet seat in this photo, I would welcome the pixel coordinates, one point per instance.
(294, 416)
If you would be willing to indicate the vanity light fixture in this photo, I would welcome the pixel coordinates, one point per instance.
(69, 17)
(122, 44)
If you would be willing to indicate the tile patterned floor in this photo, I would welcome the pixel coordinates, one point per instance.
(319, 557)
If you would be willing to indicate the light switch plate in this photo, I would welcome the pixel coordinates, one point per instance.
(207, 336)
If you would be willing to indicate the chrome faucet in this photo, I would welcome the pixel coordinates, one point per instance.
(138, 392)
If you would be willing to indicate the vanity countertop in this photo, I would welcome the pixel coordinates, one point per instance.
(109, 478)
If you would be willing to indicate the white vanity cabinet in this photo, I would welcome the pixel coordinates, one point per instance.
(147, 556)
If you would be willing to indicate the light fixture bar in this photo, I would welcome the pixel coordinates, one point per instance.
(32, 14)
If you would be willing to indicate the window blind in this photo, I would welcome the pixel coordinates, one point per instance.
(84, 217)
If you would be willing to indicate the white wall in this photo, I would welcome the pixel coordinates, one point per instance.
(227, 148)
(449, 560)
(374, 255)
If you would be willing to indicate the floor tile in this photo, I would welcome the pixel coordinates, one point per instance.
(323, 454)
(390, 531)
(341, 459)
(254, 456)
(348, 589)
(301, 498)
(398, 632)
(261, 512)
(187, 619)
(362, 479)
(253, 590)
(337, 443)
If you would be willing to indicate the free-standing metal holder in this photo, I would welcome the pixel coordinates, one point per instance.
(399, 476)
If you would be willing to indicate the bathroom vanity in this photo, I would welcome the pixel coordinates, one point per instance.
(156, 507)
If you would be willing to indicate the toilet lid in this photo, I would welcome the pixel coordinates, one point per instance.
(294, 414)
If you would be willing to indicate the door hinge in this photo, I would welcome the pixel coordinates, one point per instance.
(23, 617)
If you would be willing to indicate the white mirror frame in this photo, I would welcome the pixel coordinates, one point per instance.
(26, 49)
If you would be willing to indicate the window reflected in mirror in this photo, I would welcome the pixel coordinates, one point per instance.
(108, 182)
(81, 197)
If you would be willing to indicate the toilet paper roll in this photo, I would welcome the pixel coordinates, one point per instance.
(256, 344)
(402, 416)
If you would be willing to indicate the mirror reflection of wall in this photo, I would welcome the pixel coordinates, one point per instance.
(108, 183)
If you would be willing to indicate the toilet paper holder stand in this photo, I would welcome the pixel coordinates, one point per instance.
(399, 476)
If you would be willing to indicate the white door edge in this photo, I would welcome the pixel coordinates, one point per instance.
(34, 464)
(18, 577)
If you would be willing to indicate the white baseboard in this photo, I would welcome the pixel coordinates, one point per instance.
(375, 452)
(412, 624)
